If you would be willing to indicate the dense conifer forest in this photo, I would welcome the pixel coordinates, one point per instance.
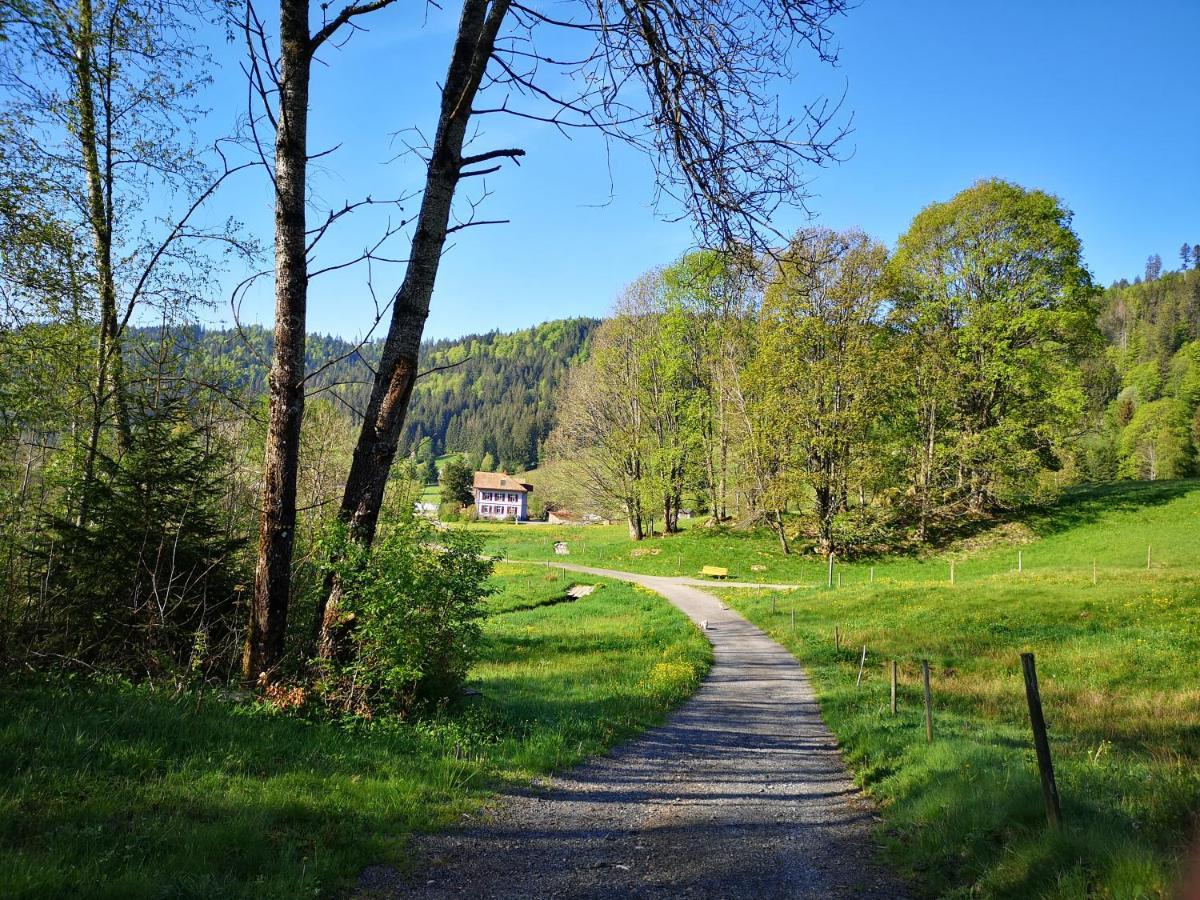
(490, 396)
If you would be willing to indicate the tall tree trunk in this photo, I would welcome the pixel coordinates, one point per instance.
(109, 382)
(276, 537)
(925, 474)
(390, 393)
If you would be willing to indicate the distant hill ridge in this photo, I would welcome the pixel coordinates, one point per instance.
(494, 397)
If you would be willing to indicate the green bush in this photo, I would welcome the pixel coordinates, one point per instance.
(413, 601)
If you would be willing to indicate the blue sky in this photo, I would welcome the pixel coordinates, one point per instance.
(1097, 102)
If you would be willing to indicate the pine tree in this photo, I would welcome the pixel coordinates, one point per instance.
(147, 585)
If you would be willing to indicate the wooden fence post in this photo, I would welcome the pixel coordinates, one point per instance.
(793, 620)
(893, 687)
(952, 571)
(830, 568)
(1093, 570)
(928, 702)
(839, 579)
(1149, 547)
(862, 662)
(1020, 563)
(1041, 742)
(872, 574)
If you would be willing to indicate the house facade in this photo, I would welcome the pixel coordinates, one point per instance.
(500, 496)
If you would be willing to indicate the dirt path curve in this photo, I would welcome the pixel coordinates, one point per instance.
(741, 793)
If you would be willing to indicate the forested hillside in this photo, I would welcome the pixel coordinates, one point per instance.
(1145, 385)
(490, 395)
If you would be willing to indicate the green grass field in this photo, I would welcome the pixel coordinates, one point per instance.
(1066, 537)
(127, 792)
(1116, 663)
(1116, 660)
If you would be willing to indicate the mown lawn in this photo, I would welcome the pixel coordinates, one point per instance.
(964, 816)
(110, 790)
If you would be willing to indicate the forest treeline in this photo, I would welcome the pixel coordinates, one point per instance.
(490, 396)
(856, 399)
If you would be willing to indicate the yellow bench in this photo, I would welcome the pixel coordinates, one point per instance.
(715, 572)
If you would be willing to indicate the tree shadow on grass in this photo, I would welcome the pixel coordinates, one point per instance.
(1088, 504)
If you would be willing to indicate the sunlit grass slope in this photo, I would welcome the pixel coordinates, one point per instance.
(1112, 525)
(1117, 666)
(124, 792)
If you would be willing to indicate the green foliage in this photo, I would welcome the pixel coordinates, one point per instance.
(150, 793)
(1151, 414)
(456, 479)
(146, 584)
(412, 604)
(1157, 442)
(819, 380)
(996, 309)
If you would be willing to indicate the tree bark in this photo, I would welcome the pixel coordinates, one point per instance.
(392, 388)
(779, 530)
(109, 380)
(276, 539)
(633, 513)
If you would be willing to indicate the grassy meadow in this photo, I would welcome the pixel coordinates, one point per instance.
(111, 790)
(1116, 663)
(1067, 537)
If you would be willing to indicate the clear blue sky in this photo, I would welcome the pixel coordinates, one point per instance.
(1097, 102)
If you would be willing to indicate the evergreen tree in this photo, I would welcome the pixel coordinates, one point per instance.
(148, 584)
(429, 472)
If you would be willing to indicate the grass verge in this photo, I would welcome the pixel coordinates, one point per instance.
(111, 790)
(964, 816)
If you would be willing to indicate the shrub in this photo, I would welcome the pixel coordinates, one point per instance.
(413, 601)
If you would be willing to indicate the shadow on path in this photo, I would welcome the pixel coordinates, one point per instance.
(742, 793)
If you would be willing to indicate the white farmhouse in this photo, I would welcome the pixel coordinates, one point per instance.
(500, 496)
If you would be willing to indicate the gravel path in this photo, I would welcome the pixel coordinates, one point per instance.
(742, 793)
